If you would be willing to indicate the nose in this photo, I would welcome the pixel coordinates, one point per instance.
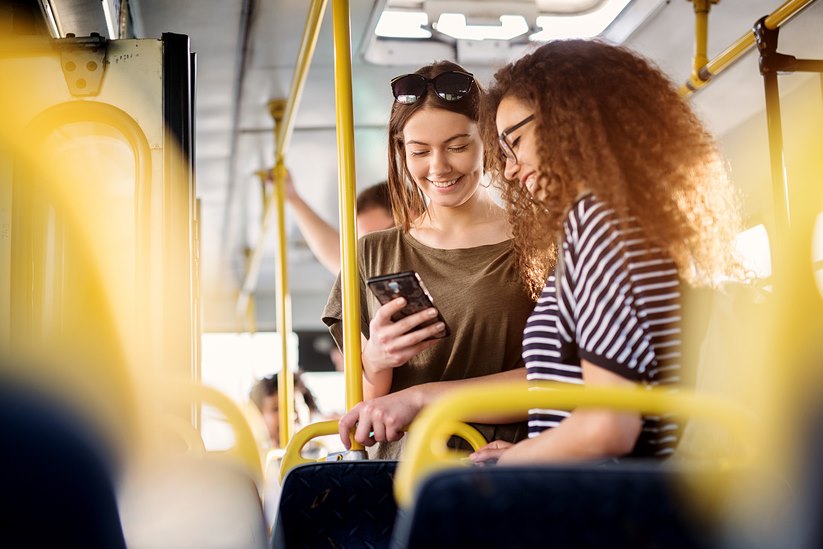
(511, 169)
(439, 164)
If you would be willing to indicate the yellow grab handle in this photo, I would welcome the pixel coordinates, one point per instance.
(293, 455)
(431, 430)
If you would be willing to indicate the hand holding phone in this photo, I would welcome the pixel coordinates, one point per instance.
(409, 286)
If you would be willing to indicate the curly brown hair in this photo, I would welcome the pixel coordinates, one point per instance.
(407, 199)
(609, 122)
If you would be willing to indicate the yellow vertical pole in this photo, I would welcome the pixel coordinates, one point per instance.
(701, 31)
(285, 379)
(348, 234)
(701, 39)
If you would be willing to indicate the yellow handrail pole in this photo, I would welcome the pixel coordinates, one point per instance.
(427, 452)
(301, 72)
(283, 137)
(701, 37)
(786, 11)
(285, 379)
(250, 324)
(348, 233)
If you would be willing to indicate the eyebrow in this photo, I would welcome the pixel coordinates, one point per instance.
(452, 138)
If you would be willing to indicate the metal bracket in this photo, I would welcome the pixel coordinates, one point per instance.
(348, 455)
(773, 62)
(770, 60)
(83, 61)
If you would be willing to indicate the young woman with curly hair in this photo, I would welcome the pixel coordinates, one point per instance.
(617, 196)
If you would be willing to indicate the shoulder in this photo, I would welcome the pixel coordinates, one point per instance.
(588, 217)
(378, 250)
(378, 238)
(588, 209)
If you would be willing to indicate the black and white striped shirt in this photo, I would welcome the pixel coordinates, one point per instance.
(615, 302)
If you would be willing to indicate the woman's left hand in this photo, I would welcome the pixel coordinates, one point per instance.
(386, 417)
(491, 451)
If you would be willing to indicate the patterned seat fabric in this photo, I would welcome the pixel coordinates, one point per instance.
(337, 505)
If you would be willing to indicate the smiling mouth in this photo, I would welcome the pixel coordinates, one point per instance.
(444, 184)
(530, 182)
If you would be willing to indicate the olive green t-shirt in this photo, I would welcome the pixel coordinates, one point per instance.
(477, 291)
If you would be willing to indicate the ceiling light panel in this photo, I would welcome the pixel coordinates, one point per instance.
(403, 24)
(567, 6)
(456, 26)
(585, 25)
(495, 28)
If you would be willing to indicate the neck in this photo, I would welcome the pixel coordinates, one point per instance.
(479, 209)
(478, 221)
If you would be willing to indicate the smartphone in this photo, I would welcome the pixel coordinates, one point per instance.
(408, 285)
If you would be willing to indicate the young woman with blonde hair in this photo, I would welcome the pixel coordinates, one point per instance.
(455, 236)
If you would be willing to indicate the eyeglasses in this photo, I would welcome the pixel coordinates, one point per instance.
(508, 152)
(450, 86)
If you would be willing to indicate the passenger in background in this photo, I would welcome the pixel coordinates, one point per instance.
(374, 213)
(451, 231)
(265, 397)
(597, 134)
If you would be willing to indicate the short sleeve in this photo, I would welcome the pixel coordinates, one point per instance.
(598, 310)
(333, 311)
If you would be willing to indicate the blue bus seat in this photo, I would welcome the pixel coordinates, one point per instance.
(616, 505)
(336, 504)
(56, 476)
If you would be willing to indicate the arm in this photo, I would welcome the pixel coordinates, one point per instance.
(389, 416)
(392, 344)
(322, 238)
(427, 393)
(585, 434)
(375, 383)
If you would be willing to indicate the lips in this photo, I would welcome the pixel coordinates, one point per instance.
(530, 182)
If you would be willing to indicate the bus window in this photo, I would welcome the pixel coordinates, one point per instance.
(99, 174)
(752, 245)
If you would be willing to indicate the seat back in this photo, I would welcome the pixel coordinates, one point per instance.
(57, 482)
(616, 505)
(336, 504)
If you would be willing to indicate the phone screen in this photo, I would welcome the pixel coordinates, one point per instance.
(408, 285)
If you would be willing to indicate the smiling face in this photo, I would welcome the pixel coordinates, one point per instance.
(522, 141)
(444, 155)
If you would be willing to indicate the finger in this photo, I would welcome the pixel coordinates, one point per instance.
(362, 433)
(412, 322)
(486, 454)
(385, 312)
(393, 433)
(477, 456)
(379, 430)
(346, 424)
(421, 335)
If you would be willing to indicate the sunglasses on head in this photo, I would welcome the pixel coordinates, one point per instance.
(449, 86)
